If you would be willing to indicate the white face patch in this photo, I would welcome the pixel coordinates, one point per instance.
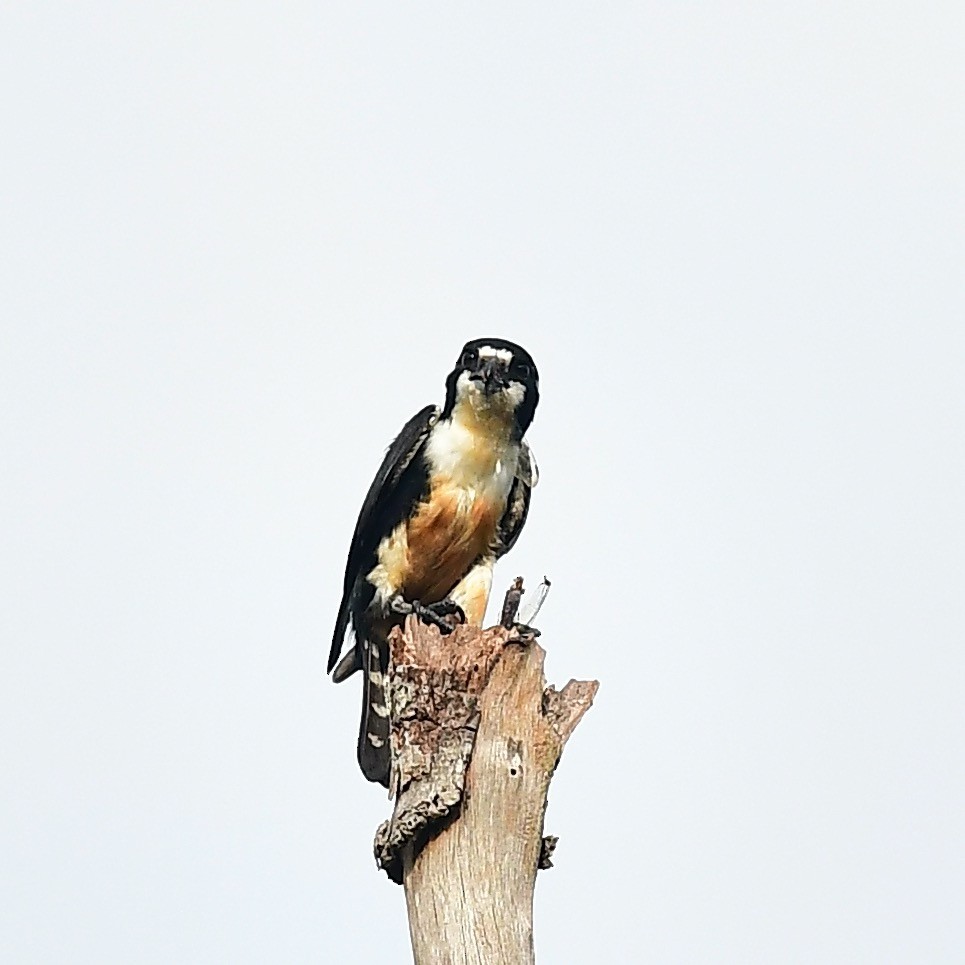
(465, 385)
(488, 352)
(504, 402)
(515, 393)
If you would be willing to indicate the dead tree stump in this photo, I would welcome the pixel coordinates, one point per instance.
(476, 736)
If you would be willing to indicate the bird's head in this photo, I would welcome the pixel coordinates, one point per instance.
(495, 378)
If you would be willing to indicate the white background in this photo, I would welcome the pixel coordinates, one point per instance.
(242, 243)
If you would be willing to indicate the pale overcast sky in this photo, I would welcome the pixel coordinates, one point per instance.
(242, 243)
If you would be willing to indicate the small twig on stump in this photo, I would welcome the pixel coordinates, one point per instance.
(514, 596)
(476, 736)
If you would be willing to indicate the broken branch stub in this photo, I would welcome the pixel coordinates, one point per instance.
(468, 845)
(433, 689)
(472, 725)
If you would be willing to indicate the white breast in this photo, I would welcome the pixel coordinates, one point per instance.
(477, 458)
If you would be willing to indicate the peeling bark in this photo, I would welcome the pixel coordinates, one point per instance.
(476, 736)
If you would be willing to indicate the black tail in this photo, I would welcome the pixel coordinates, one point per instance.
(374, 752)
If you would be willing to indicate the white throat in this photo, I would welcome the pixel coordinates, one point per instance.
(474, 450)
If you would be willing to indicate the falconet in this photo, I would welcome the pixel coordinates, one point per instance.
(449, 499)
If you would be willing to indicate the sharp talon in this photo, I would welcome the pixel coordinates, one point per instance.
(446, 615)
(428, 614)
(448, 608)
(435, 614)
(445, 627)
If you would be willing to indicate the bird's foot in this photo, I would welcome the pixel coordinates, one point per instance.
(446, 615)
(448, 610)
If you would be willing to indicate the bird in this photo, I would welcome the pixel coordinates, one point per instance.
(450, 498)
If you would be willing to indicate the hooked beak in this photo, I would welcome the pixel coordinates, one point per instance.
(491, 376)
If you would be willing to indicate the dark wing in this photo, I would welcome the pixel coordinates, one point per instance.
(517, 506)
(371, 524)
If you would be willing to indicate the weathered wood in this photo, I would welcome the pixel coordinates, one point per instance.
(476, 736)
(514, 596)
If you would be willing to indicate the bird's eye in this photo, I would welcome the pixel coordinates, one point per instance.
(524, 369)
(469, 356)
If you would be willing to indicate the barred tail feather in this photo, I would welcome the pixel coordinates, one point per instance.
(373, 750)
